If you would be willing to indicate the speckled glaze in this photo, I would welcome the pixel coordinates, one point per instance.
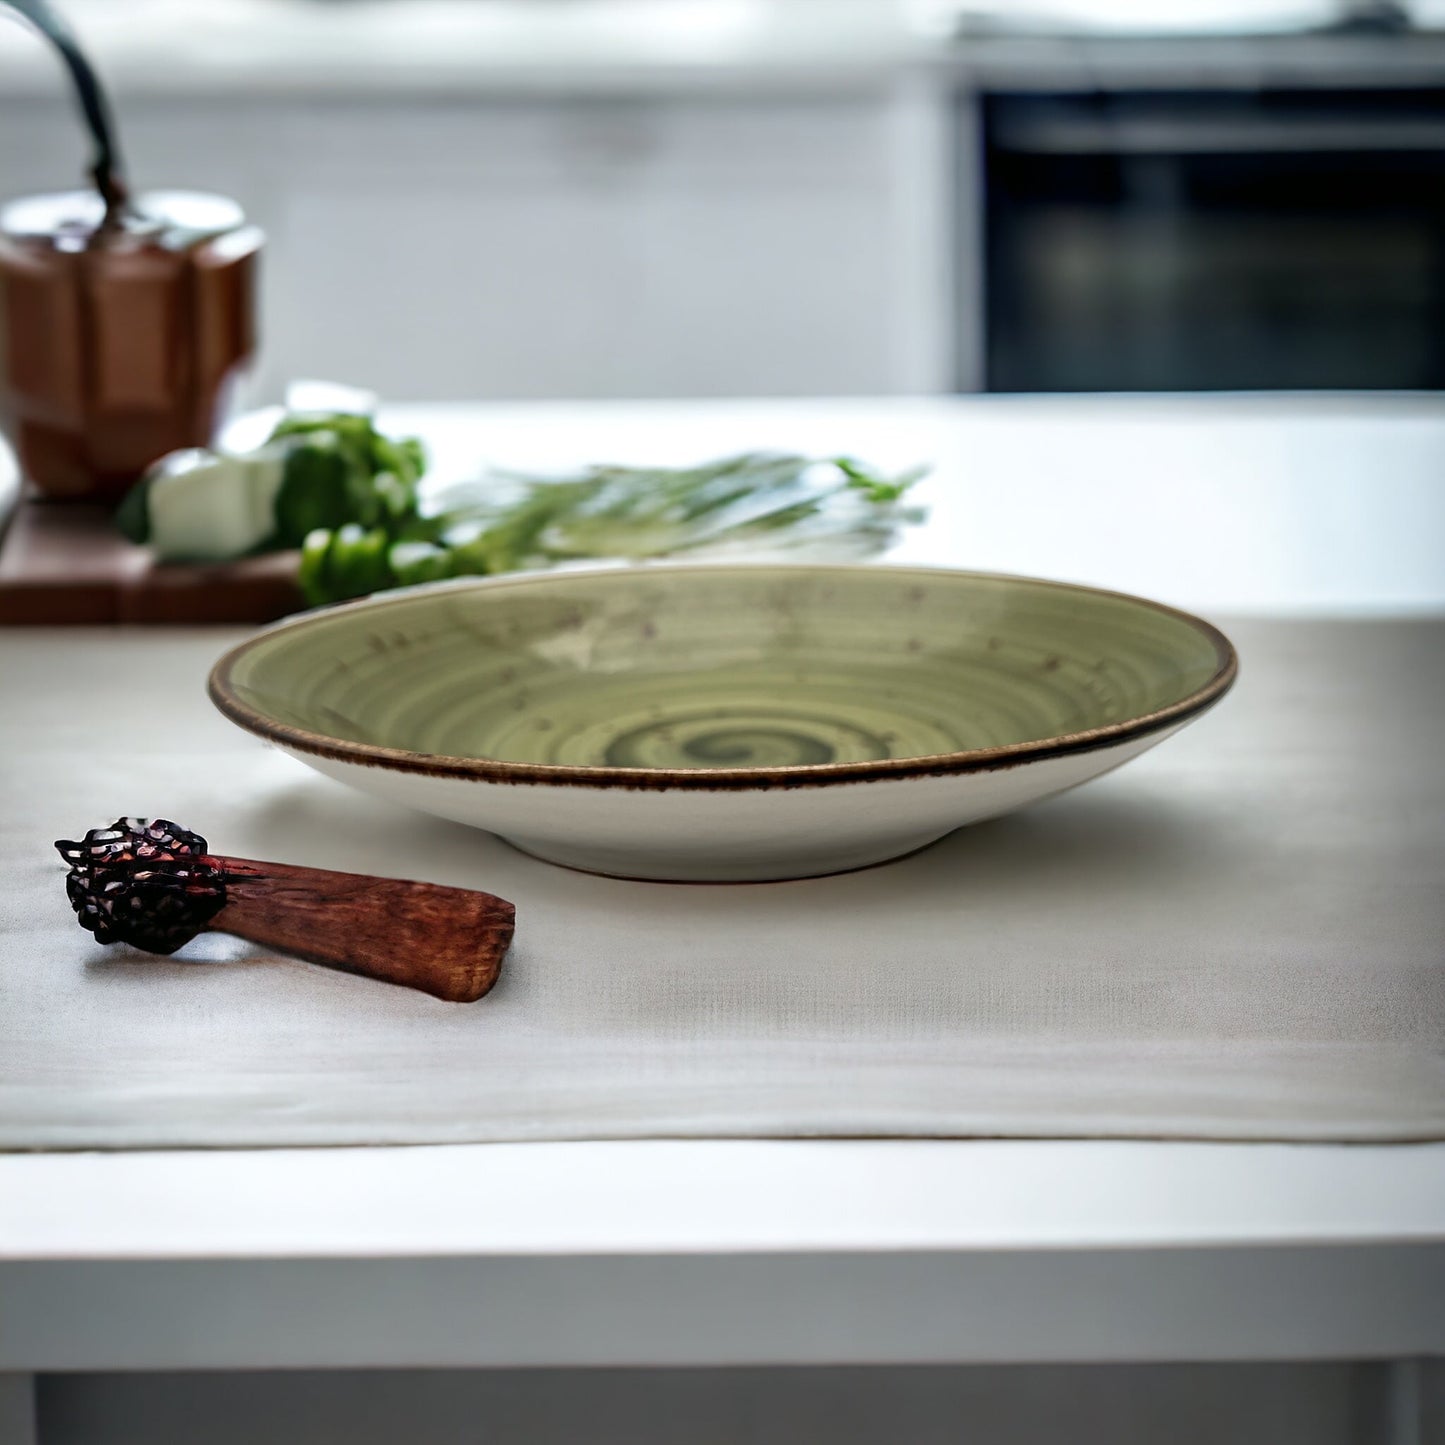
(725, 722)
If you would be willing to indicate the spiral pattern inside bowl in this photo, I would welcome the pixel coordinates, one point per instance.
(726, 668)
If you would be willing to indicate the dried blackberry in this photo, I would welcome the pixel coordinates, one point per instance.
(147, 883)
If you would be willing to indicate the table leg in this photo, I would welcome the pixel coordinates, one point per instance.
(17, 1409)
(1403, 1403)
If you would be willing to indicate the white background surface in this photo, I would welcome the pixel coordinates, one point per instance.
(674, 244)
(1326, 505)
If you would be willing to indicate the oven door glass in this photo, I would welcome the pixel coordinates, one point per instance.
(1147, 242)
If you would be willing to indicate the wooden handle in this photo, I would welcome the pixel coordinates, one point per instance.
(448, 942)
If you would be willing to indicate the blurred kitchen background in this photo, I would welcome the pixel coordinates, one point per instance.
(673, 198)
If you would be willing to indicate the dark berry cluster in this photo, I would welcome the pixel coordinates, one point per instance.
(147, 883)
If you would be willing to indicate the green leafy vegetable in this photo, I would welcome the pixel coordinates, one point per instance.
(339, 469)
(348, 497)
(317, 490)
(133, 515)
(506, 522)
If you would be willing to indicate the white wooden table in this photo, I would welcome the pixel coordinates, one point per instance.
(732, 1252)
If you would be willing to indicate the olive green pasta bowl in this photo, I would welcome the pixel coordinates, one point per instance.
(725, 722)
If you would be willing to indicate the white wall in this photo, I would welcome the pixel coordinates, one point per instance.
(453, 248)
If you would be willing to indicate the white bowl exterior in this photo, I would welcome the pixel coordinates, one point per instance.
(733, 834)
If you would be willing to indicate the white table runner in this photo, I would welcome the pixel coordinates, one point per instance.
(1241, 935)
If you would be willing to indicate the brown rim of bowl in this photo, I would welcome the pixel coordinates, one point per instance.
(485, 770)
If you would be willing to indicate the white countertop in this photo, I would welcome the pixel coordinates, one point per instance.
(731, 1252)
(716, 1196)
(1261, 504)
(721, 1253)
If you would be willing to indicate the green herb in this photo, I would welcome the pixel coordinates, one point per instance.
(340, 470)
(506, 522)
(348, 497)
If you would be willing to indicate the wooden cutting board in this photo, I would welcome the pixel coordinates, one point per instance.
(64, 562)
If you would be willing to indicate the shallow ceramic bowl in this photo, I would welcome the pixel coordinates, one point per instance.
(725, 722)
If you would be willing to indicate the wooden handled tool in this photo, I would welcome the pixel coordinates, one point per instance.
(156, 886)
